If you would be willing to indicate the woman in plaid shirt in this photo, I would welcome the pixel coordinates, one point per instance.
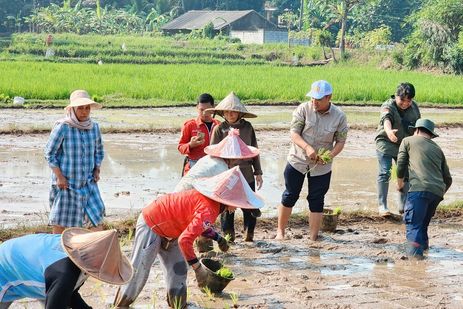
(74, 152)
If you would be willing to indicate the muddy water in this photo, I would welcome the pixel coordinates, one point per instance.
(138, 167)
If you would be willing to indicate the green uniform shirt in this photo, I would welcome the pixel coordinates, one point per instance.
(400, 120)
(427, 167)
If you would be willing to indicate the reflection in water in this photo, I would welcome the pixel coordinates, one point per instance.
(147, 165)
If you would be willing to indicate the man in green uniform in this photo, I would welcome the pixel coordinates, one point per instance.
(397, 114)
(429, 180)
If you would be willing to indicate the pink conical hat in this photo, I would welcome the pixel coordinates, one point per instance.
(232, 147)
(229, 188)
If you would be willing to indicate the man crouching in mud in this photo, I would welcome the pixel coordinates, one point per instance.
(169, 225)
(53, 267)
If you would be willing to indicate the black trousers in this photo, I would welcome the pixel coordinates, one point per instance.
(227, 220)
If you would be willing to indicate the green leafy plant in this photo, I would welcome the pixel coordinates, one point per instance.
(337, 211)
(393, 176)
(324, 155)
(225, 272)
(227, 237)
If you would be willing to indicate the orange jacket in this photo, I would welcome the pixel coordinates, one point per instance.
(183, 215)
(191, 128)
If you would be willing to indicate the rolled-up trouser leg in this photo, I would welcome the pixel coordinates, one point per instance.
(175, 273)
(145, 249)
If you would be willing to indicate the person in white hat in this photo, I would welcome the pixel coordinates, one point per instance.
(53, 267)
(234, 112)
(169, 225)
(317, 124)
(74, 152)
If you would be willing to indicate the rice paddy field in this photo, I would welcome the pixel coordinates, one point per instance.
(161, 71)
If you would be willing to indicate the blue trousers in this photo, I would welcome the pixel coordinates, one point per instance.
(419, 209)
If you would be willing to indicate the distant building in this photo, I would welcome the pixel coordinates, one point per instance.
(248, 26)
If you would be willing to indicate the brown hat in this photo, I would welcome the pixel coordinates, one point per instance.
(98, 254)
(80, 98)
(231, 103)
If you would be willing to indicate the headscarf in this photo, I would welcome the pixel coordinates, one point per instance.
(71, 120)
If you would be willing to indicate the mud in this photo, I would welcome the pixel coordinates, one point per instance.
(362, 265)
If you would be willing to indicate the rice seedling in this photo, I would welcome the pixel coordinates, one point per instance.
(225, 272)
(324, 155)
(234, 298)
(337, 211)
(210, 296)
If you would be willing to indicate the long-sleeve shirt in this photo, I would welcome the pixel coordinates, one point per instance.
(36, 266)
(426, 164)
(183, 215)
(76, 152)
(191, 128)
(400, 121)
(248, 135)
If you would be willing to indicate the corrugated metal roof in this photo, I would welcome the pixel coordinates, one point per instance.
(198, 19)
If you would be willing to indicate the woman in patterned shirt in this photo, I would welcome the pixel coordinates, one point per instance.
(74, 153)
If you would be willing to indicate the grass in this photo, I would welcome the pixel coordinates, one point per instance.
(164, 85)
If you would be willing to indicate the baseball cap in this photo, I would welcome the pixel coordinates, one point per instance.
(319, 89)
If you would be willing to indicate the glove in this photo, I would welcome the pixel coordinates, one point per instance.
(223, 244)
(201, 276)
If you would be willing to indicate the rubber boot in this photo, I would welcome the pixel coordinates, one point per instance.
(403, 197)
(383, 188)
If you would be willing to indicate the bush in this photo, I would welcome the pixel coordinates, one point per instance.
(379, 36)
(454, 59)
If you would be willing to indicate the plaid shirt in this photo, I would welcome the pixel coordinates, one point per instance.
(76, 152)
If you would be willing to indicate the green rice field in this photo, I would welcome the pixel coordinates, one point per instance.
(152, 85)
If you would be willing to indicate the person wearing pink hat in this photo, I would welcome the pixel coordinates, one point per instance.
(74, 152)
(168, 226)
(234, 112)
(220, 157)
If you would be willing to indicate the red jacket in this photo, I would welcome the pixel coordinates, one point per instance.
(191, 128)
(183, 215)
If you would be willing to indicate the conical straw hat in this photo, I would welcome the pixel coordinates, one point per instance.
(229, 188)
(98, 254)
(231, 103)
(232, 147)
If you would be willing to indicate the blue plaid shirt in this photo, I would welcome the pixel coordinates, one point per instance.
(76, 152)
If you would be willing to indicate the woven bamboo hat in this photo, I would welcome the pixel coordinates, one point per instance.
(98, 254)
(232, 103)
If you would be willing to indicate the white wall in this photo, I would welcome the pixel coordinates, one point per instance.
(249, 37)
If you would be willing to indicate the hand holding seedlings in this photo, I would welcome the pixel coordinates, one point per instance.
(324, 156)
(310, 152)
